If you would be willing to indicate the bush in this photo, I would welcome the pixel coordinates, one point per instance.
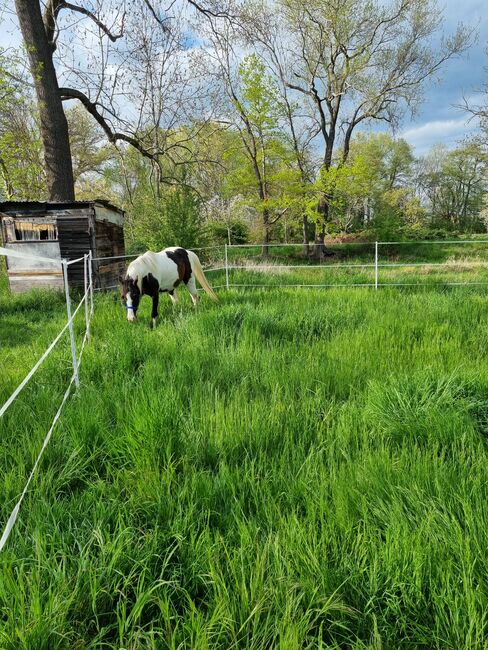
(219, 232)
(176, 221)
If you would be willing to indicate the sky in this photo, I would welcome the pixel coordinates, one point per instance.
(438, 119)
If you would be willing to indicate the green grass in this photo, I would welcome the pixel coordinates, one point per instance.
(283, 469)
(398, 265)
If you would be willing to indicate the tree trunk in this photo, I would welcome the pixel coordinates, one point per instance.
(323, 207)
(319, 245)
(54, 126)
(306, 247)
(9, 190)
(267, 234)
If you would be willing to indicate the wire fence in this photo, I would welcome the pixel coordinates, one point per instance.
(87, 301)
(239, 262)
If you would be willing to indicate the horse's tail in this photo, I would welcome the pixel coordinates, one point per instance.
(197, 268)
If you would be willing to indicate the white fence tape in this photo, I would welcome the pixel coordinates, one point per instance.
(29, 376)
(78, 259)
(88, 285)
(13, 515)
(32, 372)
(11, 252)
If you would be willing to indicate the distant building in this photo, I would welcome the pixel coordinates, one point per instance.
(62, 231)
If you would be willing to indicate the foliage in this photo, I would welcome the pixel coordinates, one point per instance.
(454, 184)
(22, 175)
(234, 231)
(175, 220)
(89, 150)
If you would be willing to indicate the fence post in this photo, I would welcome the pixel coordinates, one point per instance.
(226, 269)
(90, 278)
(70, 322)
(376, 265)
(87, 306)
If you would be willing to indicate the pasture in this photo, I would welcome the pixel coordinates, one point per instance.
(283, 469)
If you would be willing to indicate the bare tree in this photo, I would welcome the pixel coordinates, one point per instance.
(100, 82)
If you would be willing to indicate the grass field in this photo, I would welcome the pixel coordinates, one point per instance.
(285, 469)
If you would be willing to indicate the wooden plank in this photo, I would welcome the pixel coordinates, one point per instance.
(109, 241)
(74, 242)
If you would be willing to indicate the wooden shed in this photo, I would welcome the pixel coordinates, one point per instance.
(62, 231)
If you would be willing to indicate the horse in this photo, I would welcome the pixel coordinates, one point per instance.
(152, 273)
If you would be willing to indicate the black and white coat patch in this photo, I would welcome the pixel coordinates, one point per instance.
(152, 273)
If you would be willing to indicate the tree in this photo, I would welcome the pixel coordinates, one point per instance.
(40, 34)
(454, 184)
(21, 169)
(353, 61)
(374, 188)
(89, 148)
(255, 101)
(480, 110)
(54, 126)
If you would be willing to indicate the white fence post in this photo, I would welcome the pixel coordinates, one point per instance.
(226, 269)
(70, 322)
(376, 265)
(90, 278)
(87, 306)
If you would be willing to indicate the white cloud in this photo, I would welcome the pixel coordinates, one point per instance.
(448, 132)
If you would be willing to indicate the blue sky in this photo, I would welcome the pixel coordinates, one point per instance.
(438, 120)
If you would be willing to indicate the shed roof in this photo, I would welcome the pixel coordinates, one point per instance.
(14, 207)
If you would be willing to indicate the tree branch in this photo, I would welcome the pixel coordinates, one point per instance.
(54, 7)
(112, 136)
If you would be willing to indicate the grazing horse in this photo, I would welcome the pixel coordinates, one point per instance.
(152, 273)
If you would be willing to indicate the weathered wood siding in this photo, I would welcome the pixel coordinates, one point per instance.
(109, 242)
(74, 240)
(81, 226)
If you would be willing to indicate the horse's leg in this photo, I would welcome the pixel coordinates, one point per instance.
(154, 313)
(174, 297)
(192, 288)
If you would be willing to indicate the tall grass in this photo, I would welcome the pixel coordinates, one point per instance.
(283, 469)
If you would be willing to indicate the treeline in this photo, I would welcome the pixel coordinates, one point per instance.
(255, 121)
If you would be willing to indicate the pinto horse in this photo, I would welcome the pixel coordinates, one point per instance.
(152, 273)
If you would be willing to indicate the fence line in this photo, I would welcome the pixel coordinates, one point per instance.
(79, 259)
(88, 285)
(364, 243)
(376, 265)
(33, 370)
(434, 241)
(271, 266)
(133, 255)
(294, 286)
(14, 514)
(10, 252)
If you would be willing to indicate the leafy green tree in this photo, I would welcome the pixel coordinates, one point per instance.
(454, 184)
(372, 186)
(22, 174)
(353, 62)
(269, 169)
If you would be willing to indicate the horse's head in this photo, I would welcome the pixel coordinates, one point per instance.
(131, 295)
